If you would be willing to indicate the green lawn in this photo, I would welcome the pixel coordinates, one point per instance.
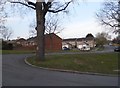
(104, 63)
(16, 51)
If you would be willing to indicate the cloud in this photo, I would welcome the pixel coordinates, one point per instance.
(81, 29)
(19, 25)
(13, 19)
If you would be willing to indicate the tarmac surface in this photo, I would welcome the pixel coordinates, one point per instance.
(15, 72)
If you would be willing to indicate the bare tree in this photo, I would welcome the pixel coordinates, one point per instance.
(3, 29)
(3, 14)
(42, 7)
(5, 33)
(102, 38)
(109, 15)
(52, 25)
(32, 33)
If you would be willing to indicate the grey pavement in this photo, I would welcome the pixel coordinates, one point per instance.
(17, 73)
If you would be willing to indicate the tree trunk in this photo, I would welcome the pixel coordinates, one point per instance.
(40, 18)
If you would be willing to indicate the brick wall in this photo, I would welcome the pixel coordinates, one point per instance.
(53, 42)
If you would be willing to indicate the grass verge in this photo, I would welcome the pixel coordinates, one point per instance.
(16, 51)
(105, 63)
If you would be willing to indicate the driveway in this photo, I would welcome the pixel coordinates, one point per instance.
(17, 73)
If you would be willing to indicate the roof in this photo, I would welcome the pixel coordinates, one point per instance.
(89, 35)
(70, 39)
(81, 39)
(46, 35)
(20, 40)
(74, 39)
(31, 39)
(52, 34)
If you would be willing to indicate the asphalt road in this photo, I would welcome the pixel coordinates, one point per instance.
(16, 73)
(107, 49)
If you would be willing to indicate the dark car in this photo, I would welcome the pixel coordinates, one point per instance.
(65, 48)
(117, 49)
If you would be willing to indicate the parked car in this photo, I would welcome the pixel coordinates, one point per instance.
(65, 48)
(83, 47)
(117, 49)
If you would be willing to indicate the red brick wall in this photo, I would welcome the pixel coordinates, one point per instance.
(53, 42)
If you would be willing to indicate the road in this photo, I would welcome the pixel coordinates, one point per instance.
(107, 49)
(17, 73)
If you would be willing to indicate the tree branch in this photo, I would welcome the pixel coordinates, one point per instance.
(24, 4)
(31, 3)
(47, 5)
(56, 11)
(111, 25)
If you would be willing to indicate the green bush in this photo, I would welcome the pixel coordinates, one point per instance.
(7, 46)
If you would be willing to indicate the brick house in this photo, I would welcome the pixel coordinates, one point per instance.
(21, 41)
(69, 43)
(52, 42)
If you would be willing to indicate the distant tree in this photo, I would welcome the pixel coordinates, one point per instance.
(42, 7)
(3, 16)
(0, 44)
(52, 25)
(5, 33)
(32, 32)
(109, 15)
(116, 40)
(6, 46)
(102, 39)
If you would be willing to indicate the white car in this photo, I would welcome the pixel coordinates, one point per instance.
(83, 47)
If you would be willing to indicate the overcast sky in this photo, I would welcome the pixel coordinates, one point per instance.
(78, 23)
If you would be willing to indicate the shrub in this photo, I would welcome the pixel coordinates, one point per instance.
(7, 46)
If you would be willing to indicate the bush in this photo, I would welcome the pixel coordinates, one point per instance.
(10, 46)
(7, 46)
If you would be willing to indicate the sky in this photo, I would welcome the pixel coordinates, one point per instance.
(80, 21)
